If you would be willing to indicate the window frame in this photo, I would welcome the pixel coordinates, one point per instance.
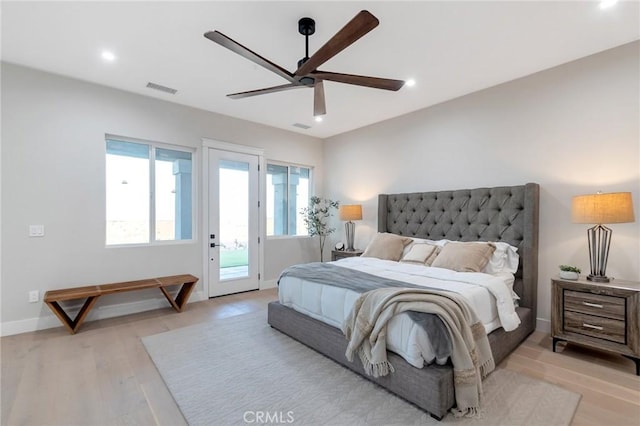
(153, 145)
(288, 165)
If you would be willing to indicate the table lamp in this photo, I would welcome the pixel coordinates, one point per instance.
(598, 209)
(350, 212)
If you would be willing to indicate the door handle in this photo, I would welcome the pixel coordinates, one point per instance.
(212, 245)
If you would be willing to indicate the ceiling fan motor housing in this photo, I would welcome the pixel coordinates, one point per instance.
(308, 81)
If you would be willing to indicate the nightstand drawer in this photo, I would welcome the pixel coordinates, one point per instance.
(595, 304)
(590, 325)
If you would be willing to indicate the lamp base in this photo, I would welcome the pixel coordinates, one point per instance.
(598, 278)
(599, 243)
(350, 230)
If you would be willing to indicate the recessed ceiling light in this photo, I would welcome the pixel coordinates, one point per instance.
(410, 83)
(108, 56)
(318, 118)
(605, 4)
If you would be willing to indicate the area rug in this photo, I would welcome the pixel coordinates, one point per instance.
(239, 370)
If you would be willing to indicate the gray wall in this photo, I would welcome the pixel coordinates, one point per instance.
(573, 129)
(53, 172)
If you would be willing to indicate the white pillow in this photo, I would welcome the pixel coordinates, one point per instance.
(504, 259)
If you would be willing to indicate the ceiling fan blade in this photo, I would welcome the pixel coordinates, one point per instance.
(274, 89)
(361, 24)
(360, 80)
(319, 106)
(234, 46)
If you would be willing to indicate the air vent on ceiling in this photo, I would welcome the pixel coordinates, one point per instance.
(161, 88)
(302, 126)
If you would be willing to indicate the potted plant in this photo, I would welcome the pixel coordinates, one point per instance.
(316, 218)
(569, 272)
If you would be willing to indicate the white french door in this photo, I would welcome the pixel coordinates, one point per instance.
(233, 222)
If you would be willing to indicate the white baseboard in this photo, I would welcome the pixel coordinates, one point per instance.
(543, 325)
(99, 312)
(268, 284)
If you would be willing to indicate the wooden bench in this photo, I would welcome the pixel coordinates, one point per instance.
(92, 292)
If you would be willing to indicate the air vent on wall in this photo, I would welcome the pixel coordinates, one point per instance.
(302, 126)
(161, 88)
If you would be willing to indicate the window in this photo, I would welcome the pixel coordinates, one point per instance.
(287, 193)
(149, 192)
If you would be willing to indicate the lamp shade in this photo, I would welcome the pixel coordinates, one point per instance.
(351, 212)
(614, 207)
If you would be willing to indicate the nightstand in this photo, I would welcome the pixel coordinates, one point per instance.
(600, 315)
(341, 254)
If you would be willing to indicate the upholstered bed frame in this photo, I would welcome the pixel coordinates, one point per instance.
(508, 214)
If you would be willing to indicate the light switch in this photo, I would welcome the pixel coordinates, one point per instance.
(36, 230)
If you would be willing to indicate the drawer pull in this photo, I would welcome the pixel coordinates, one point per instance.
(595, 327)
(593, 305)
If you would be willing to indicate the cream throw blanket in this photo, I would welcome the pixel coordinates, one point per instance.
(366, 330)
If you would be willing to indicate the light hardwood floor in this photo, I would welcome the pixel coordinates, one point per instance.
(103, 375)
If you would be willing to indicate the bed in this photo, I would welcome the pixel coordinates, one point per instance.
(500, 214)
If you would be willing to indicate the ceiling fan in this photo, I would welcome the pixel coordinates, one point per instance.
(307, 75)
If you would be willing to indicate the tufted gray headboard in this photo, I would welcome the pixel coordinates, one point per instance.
(507, 213)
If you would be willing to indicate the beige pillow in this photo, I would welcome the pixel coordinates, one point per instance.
(433, 256)
(386, 246)
(464, 257)
(418, 254)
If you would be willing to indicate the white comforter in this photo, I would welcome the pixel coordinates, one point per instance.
(489, 295)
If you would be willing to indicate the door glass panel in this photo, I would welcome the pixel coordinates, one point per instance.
(234, 219)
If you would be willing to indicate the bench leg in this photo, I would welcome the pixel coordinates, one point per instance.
(182, 297)
(73, 325)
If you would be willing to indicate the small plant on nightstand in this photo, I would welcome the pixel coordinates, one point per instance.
(569, 272)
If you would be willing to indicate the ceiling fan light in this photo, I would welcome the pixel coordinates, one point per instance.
(410, 83)
(318, 118)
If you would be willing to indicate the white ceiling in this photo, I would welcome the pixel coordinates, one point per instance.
(450, 48)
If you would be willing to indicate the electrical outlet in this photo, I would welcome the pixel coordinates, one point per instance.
(34, 296)
(36, 230)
